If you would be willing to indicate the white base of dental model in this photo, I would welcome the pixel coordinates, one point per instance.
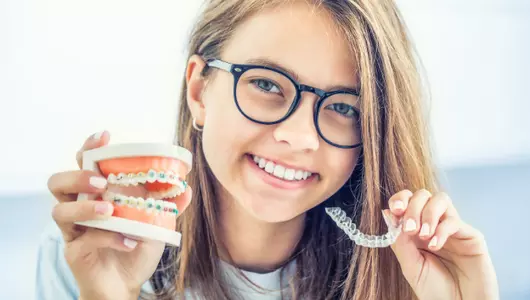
(370, 241)
(132, 228)
(136, 230)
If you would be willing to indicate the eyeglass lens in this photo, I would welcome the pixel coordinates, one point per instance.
(266, 96)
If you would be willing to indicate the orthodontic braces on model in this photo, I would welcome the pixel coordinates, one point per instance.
(146, 187)
(176, 186)
(346, 224)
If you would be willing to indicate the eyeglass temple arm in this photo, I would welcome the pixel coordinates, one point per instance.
(216, 63)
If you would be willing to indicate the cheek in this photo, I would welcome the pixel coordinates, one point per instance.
(220, 119)
(341, 165)
(226, 132)
(218, 138)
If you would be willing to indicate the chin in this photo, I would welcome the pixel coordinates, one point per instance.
(270, 208)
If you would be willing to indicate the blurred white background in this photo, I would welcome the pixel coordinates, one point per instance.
(71, 68)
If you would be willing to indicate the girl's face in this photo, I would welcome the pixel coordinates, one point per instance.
(303, 40)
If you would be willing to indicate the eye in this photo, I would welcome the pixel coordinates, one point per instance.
(266, 85)
(344, 109)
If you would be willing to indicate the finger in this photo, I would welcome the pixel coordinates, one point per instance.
(398, 202)
(67, 213)
(432, 214)
(412, 215)
(70, 212)
(94, 239)
(407, 254)
(66, 185)
(94, 141)
(445, 229)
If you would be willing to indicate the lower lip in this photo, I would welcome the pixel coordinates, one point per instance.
(277, 182)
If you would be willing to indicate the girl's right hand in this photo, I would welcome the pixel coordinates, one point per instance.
(106, 265)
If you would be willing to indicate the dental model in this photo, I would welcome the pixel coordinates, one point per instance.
(370, 241)
(146, 187)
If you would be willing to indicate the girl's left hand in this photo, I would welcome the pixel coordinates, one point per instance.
(440, 256)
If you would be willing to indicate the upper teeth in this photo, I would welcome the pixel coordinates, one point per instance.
(280, 171)
(174, 191)
(142, 178)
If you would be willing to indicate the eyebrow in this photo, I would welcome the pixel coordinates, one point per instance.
(272, 64)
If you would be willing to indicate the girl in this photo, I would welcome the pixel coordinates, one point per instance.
(289, 107)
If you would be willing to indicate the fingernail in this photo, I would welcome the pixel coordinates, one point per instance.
(129, 243)
(398, 205)
(102, 208)
(425, 229)
(389, 219)
(410, 225)
(386, 218)
(434, 242)
(98, 182)
(97, 135)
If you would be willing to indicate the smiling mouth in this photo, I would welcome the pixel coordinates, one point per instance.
(281, 172)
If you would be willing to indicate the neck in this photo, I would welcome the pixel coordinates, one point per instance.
(254, 245)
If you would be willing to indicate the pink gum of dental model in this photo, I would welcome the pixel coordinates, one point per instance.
(146, 187)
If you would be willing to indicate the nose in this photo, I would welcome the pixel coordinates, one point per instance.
(299, 129)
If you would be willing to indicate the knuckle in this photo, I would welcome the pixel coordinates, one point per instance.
(415, 205)
(69, 182)
(49, 184)
(407, 193)
(80, 180)
(85, 210)
(427, 214)
(403, 195)
(79, 157)
(481, 236)
(427, 220)
(52, 183)
(413, 213)
(424, 192)
(84, 175)
(56, 213)
(445, 197)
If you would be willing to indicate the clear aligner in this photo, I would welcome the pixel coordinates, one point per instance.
(371, 241)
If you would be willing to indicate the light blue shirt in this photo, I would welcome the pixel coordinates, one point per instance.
(55, 281)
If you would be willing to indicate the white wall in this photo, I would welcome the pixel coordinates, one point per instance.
(70, 68)
(476, 56)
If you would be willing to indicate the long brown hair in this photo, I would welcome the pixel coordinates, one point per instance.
(395, 156)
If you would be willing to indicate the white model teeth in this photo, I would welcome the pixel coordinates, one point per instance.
(142, 178)
(149, 204)
(280, 171)
(174, 191)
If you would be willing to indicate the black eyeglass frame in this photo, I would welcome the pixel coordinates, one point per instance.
(237, 70)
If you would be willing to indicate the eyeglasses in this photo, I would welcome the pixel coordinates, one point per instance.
(269, 96)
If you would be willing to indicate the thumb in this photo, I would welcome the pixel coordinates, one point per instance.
(407, 253)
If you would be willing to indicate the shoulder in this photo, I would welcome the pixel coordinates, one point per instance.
(54, 280)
